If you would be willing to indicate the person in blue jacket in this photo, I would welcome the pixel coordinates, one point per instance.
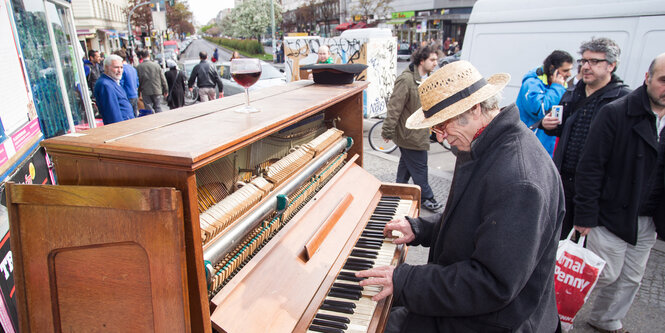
(542, 88)
(111, 98)
(129, 81)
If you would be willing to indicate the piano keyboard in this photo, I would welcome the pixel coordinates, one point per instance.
(348, 307)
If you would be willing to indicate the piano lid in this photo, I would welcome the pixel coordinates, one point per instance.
(192, 134)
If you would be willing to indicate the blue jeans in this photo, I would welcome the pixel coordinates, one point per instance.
(413, 164)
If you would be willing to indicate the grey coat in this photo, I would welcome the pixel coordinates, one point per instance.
(493, 251)
(151, 79)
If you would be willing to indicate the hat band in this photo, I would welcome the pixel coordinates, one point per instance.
(464, 93)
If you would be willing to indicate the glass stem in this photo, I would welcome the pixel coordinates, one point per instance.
(247, 95)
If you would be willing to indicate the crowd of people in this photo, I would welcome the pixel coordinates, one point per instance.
(122, 91)
(597, 169)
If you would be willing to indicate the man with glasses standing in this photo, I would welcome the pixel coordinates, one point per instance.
(598, 87)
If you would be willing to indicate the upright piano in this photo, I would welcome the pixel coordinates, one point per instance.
(203, 218)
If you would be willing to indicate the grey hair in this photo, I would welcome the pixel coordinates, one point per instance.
(603, 45)
(491, 103)
(110, 59)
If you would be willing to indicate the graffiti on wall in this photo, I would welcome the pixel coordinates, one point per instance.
(382, 64)
(379, 54)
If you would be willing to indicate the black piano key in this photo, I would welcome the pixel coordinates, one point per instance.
(342, 294)
(355, 268)
(348, 286)
(349, 278)
(370, 240)
(364, 253)
(325, 329)
(338, 319)
(380, 218)
(372, 234)
(387, 204)
(390, 198)
(327, 323)
(384, 212)
(360, 261)
(340, 303)
(367, 246)
(376, 224)
(353, 293)
(374, 228)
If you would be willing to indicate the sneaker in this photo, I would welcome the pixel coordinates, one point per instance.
(431, 204)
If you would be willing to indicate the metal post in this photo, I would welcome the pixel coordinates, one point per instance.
(272, 19)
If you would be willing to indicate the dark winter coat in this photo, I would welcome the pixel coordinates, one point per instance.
(177, 86)
(617, 170)
(615, 89)
(493, 251)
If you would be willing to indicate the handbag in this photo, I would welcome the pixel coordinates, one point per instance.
(576, 273)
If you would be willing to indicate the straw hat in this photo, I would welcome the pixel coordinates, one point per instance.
(452, 90)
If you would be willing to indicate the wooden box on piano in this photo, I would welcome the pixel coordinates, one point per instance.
(212, 158)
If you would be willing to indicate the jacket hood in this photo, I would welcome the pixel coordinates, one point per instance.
(532, 74)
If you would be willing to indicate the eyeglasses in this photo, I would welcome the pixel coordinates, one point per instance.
(592, 61)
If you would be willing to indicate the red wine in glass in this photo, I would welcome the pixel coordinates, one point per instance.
(246, 79)
(246, 71)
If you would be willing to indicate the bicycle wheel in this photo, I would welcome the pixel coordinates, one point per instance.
(376, 141)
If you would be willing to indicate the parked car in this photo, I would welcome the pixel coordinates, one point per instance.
(451, 58)
(270, 77)
(168, 54)
(403, 53)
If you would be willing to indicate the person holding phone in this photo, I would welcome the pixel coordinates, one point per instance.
(541, 89)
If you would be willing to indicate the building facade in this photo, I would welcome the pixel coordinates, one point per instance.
(101, 24)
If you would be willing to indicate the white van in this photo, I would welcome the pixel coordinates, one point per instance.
(515, 36)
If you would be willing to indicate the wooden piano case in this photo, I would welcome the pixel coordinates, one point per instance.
(96, 259)
(166, 150)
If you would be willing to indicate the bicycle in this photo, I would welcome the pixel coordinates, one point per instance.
(377, 142)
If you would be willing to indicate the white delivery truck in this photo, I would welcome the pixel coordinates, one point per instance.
(515, 36)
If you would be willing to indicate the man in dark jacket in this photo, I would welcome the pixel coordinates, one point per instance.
(614, 187)
(493, 250)
(413, 144)
(598, 87)
(206, 77)
(152, 83)
(91, 68)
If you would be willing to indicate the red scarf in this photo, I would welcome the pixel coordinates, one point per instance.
(479, 132)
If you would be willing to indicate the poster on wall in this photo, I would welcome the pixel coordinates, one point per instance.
(34, 170)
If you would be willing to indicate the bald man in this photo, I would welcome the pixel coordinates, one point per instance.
(619, 193)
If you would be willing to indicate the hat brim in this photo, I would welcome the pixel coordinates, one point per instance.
(494, 84)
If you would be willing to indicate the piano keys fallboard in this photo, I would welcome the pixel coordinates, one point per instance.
(348, 307)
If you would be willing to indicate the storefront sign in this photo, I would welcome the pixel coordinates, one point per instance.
(25, 134)
(402, 15)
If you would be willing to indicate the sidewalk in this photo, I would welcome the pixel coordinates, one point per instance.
(647, 313)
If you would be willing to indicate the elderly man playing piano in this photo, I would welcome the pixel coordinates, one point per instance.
(492, 251)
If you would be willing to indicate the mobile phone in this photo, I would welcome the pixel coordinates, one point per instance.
(557, 111)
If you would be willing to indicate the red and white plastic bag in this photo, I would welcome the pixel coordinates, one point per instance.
(576, 273)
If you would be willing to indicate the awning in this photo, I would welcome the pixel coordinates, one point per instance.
(397, 21)
(344, 26)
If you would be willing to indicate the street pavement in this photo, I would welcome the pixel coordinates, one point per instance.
(647, 313)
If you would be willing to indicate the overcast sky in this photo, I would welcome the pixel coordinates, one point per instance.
(204, 10)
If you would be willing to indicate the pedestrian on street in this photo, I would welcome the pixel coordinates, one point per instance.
(111, 99)
(177, 85)
(599, 86)
(91, 68)
(206, 77)
(618, 193)
(215, 55)
(129, 81)
(152, 83)
(493, 250)
(413, 143)
(541, 89)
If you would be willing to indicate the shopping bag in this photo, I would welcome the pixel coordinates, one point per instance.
(576, 273)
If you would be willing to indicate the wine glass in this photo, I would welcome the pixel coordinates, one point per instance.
(246, 71)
